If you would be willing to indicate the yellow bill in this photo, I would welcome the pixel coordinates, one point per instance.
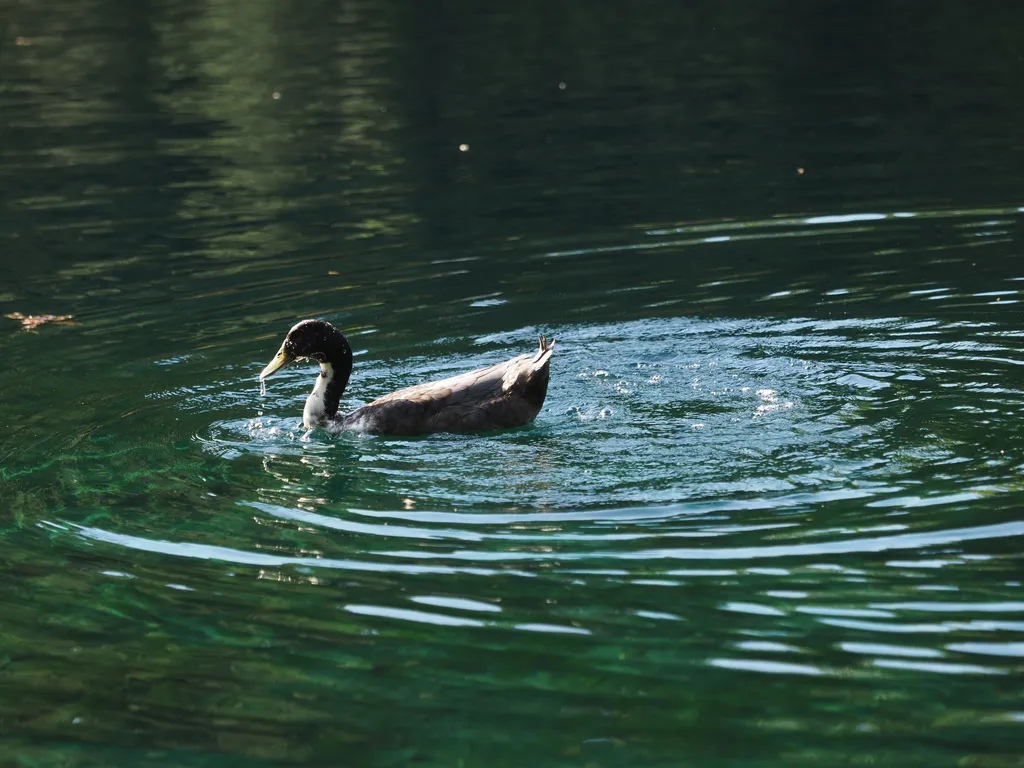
(281, 359)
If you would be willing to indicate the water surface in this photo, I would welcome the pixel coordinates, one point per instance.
(769, 514)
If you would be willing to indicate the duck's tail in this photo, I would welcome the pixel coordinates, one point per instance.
(544, 353)
(533, 375)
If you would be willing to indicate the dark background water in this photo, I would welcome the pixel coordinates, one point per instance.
(770, 514)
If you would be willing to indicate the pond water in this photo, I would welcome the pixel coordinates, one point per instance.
(770, 513)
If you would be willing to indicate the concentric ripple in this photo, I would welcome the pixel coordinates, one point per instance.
(804, 475)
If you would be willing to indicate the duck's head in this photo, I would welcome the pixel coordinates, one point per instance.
(313, 340)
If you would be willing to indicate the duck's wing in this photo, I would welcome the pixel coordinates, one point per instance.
(509, 394)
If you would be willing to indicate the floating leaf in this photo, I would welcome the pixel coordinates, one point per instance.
(31, 322)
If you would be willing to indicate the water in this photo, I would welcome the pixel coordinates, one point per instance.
(769, 515)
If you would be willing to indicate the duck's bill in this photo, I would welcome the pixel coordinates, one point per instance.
(281, 359)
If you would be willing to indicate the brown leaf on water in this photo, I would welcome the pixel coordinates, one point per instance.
(31, 322)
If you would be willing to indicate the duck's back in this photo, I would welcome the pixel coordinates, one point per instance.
(506, 395)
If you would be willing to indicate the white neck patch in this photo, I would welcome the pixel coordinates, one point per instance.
(315, 412)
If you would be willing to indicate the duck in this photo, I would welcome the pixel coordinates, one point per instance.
(503, 396)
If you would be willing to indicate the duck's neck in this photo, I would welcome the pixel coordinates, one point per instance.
(322, 403)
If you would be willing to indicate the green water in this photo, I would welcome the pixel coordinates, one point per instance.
(770, 513)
